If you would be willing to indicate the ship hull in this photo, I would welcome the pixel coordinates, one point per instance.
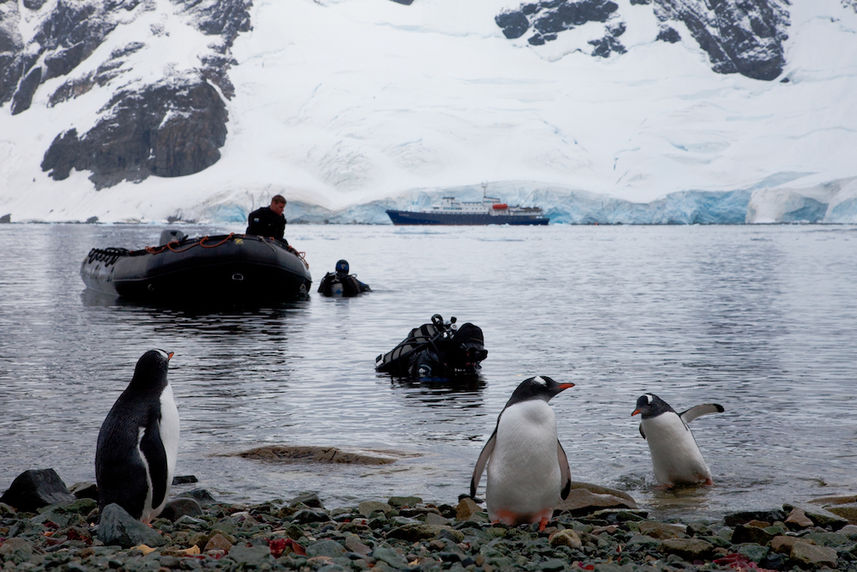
(428, 218)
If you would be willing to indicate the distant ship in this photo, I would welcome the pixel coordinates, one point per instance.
(487, 211)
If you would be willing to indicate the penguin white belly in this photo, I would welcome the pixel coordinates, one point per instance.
(524, 473)
(675, 456)
(169, 429)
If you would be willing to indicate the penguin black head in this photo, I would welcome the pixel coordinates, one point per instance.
(538, 387)
(650, 405)
(150, 373)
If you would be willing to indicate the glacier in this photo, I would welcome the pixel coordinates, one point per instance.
(349, 107)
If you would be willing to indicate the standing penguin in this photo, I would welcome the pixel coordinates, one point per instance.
(138, 442)
(528, 470)
(675, 455)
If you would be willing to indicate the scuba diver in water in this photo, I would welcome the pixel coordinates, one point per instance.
(341, 283)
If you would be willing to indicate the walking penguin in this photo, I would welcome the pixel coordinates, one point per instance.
(675, 455)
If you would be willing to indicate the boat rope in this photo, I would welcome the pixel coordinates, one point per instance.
(111, 255)
(204, 238)
(106, 255)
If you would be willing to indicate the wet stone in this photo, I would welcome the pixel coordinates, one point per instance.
(810, 554)
(328, 548)
(399, 502)
(688, 548)
(370, 508)
(797, 519)
(255, 554)
(744, 533)
(308, 515)
(385, 553)
(16, 550)
(744, 517)
(662, 530)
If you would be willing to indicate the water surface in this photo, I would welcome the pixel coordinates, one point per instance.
(761, 319)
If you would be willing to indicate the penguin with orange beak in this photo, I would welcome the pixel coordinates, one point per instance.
(528, 472)
(675, 455)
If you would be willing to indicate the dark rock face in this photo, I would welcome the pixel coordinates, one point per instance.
(24, 96)
(169, 131)
(549, 18)
(733, 47)
(739, 36)
(172, 127)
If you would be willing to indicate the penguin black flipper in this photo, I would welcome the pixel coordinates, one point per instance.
(564, 471)
(121, 476)
(700, 410)
(642, 433)
(156, 457)
(482, 461)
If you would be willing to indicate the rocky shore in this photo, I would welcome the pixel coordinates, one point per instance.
(44, 526)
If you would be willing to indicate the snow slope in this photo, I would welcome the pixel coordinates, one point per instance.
(347, 106)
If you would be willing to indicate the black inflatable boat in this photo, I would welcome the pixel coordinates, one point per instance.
(436, 350)
(225, 269)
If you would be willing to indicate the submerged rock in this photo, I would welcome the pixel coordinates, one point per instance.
(309, 454)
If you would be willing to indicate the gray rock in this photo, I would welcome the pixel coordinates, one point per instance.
(566, 537)
(812, 555)
(310, 515)
(354, 544)
(84, 490)
(307, 499)
(662, 530)
(36, 488)
(819, 516)
(846, 511)
(583, 501)
(849, 530)
(328, 548)
(368, 508)
(399, 502)
(797, 519)
(385, 553)
(202, 496)
(467, 509)
(117, 527)
(744, 517)
(179, 507)
(688, 548)
(253, 556)
(421, 531)
(744, 533)
(16, 550)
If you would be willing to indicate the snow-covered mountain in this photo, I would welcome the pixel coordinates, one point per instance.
(668, 111)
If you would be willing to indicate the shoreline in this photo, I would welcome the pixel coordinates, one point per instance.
(195, 531)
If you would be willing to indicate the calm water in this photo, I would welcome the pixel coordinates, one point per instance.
(761, 319)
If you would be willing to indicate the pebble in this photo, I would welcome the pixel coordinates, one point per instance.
(406, 533)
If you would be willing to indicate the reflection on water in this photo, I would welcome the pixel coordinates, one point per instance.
(759, 319)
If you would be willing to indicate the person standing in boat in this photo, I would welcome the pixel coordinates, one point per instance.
(268, 221)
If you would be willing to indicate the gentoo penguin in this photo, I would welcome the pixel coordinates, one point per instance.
(675, 455)
(138, 442)
(528, 470)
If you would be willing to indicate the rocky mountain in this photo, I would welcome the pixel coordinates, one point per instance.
(169, 125)
(152, 118)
